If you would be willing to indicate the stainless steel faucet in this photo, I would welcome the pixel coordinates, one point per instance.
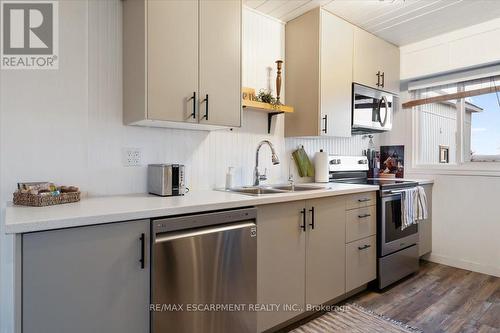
(274, 158)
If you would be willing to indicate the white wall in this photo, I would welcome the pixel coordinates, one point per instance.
(66, 125)
(464, 48)
(466, 224)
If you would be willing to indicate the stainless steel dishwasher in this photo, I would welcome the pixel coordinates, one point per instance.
(204, 273)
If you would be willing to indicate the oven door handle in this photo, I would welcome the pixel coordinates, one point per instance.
(396, 192)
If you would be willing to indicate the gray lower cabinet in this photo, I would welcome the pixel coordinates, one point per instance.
(86, 279)
(425, 226)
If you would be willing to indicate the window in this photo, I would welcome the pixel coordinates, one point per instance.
(437, 127)
(457, 123)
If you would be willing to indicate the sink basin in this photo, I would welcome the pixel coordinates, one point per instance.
(256, 190)
(261, 190)
(297, 188)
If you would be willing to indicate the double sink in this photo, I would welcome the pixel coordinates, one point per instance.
(277, 189)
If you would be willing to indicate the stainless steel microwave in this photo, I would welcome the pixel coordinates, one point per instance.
(372, 110)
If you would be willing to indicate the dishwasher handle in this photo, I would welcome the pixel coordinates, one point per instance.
(170, 236)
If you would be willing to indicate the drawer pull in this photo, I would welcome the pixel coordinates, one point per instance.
(364, 216)
(364, 247)
(364, 200)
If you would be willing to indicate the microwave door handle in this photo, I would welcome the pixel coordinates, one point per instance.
(384, 101)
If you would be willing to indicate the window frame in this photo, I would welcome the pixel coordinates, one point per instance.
(489, 166)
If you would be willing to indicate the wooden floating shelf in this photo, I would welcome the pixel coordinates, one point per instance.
(266, 107)
(248, 101)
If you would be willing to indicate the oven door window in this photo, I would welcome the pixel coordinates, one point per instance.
(392, 223)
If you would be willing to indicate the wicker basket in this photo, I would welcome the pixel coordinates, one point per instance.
(36, 200)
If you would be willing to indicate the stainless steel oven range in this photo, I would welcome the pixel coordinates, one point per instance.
(397, 249)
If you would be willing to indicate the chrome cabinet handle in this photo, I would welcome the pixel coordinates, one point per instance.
(325, 119)
(364, 216)
(378, 79)
(364, 247)
(383, 79)
(364, 200)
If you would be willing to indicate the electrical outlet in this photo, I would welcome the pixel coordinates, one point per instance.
(132, 157)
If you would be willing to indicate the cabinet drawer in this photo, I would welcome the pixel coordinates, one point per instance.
(361, 262)
(361, 223)
(359, 200)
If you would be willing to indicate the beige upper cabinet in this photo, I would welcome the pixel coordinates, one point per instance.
(376, 62)
(172, 60)
(318, 74)
(220, 69)
(325, 250)
(176, 53)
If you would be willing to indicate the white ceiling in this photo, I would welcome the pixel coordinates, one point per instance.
(398, 21)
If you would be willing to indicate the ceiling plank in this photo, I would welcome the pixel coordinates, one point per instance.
(304, 9)
(254, 3)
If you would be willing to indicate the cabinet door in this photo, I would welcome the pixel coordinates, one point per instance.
(172, 60)
(337, 37)
(425, 226)
(280, 260)
(220, 62)
(390, 68)
(367, 58)
(86, 279)
(325, 250)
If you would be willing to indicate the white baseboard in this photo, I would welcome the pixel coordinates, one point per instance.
(464, 264)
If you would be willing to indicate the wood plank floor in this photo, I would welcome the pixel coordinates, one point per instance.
(440, 299)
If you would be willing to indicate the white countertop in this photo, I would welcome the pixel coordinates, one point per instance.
(97, 210)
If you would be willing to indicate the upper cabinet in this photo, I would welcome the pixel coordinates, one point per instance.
(319, 50)
(376, 62)
(182, 63)
(324, 56)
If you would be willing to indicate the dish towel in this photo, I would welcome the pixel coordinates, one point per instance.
(413, 206)
(304, 165)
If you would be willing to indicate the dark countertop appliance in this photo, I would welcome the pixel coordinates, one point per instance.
(397, 250)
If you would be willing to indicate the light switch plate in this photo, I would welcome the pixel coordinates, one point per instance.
(132, 157)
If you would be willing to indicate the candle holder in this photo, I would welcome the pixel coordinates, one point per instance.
(279, 63)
